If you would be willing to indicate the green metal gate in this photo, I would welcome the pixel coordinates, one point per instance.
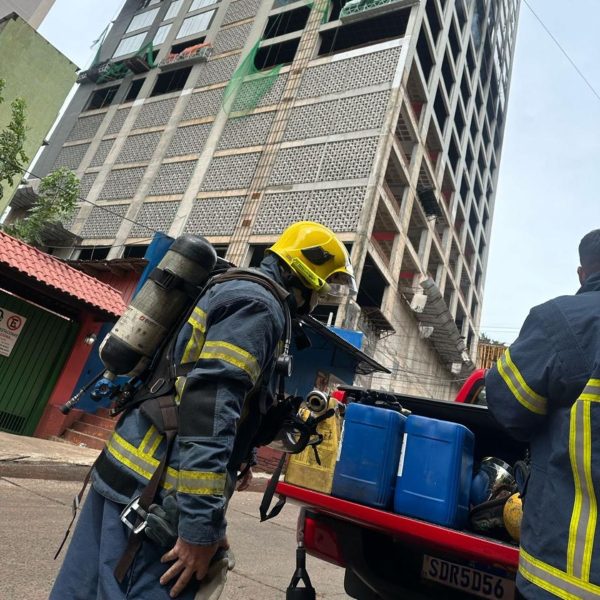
(29, 374)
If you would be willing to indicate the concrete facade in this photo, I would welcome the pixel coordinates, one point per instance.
(32, 11)
(36, 71)
(385, 124)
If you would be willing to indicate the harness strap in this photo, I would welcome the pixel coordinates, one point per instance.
(265, 504)
(169, 415)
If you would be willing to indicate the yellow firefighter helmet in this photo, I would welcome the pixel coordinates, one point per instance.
(513, 513)
(317, 257)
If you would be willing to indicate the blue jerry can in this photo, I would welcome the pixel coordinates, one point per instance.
(368, 458)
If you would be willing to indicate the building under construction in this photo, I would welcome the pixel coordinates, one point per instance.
(382, 119)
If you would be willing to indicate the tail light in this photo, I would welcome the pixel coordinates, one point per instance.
(321, 540)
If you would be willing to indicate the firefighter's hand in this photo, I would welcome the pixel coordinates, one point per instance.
(190, 560)
(245, 481)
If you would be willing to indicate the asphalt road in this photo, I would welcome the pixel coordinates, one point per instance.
(34, 514)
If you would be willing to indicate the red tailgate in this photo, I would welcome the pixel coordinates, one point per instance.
(425, 535)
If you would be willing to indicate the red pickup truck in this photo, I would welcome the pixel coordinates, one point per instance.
(389, 556)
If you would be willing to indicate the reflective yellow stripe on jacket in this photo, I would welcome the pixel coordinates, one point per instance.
(582, 530)
(143, 463)
(518, 386)
(234, 355)
(192, 351)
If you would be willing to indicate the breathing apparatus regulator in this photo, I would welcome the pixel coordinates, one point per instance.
(151, 316)
(492, 486)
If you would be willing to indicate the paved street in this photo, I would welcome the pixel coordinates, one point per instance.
(34, 514)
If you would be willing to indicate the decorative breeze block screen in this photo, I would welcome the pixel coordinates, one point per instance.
(216, 71)
(117, 121)
(251, 130)
(231, 172)
(356, 113)
(122, 183)
(189, 140)
(139, 148)
(242, 9)
(85, 128)
(104, 223)
(339, 209)
(70, 157)
(155, 114)
(172, 178)
(350, 73)
(157, 216)
(103, 151)
(203, 104)
(215, 216)
(349, 159)
(231, 39)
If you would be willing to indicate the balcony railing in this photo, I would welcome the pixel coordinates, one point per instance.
(356, 9)
(193, 54)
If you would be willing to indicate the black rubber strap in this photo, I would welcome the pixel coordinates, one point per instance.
(265, 504)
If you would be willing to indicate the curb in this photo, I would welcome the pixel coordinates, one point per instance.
(43, 470)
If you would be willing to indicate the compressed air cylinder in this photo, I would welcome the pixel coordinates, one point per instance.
(157, 307)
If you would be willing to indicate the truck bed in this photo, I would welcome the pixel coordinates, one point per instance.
(425, 535)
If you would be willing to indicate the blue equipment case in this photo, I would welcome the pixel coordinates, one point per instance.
(435, 472)
(368, 458)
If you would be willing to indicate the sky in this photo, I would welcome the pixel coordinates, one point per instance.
(547, 197)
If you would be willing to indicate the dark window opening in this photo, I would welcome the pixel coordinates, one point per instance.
(172, 81)
(469, 158)
(137, 251)
(372, 286)
(336, 8)
(464, 89)
(364, 32)
(425, 56)
(258, 253)
(102, 98)
(440, 111)
(486, 218)
(134, 89)
(179, 48)
(434, 20)
(287, 22)
(93, 253)
(453, 154)
(461, 12)
(326, 313)
(471, 60)
(459, 120)
(447, 75)
(454, 42)
(477, 190)
(276, 54)
(221, 249)
(481, 161)
(473, 220)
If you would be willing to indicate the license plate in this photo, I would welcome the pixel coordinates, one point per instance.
(479, 582)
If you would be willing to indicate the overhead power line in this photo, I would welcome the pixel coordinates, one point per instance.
(562, 49)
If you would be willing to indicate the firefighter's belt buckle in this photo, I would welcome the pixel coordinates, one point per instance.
(132, 513)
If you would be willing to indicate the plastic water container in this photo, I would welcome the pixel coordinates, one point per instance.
(435, 472)
(367, 463)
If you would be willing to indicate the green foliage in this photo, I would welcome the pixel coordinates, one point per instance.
(487, 340)
(12, 156)
(57, 199)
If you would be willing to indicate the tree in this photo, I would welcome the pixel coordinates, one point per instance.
(487, 340)
(12, 155)
(57, 199)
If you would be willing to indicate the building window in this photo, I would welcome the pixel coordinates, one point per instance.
(198, 4)
(94, 253)
(134, 89)
(196, 24)
(141, 21)
(102, 98)
(172, 81)
(276, 54)
(135, 251)
(130, 45)
(161, 34)
(287, 22)
(173, 10)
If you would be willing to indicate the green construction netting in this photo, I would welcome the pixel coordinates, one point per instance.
(248, 85)
(354, 7)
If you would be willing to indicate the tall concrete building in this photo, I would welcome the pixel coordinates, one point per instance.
(382, 119)
(32, 11)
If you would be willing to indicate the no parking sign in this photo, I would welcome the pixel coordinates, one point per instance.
(11, 325)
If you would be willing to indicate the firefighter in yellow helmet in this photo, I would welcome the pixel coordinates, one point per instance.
(319, 263)
(226, 356)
